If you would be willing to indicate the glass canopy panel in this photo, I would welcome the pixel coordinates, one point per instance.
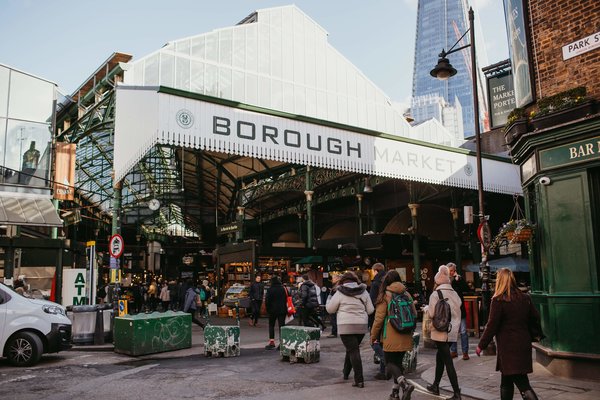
(4, 73)
(30, 98)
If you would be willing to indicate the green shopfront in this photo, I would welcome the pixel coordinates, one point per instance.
(560, 169)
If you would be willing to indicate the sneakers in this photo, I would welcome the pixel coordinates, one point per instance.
(466, 356)
(331, 335)
(407, 388)
(359, 385)
(407, 391)
(270, 346)
(376, 359)
(433, 388)
(453, 354)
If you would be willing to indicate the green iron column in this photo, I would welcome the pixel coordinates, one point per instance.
(116, 228)
(457, 253)
(416, 252)
(309, 214)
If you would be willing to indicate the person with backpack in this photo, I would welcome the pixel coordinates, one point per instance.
(512, 314)
(353, 305)
(309, 303)
(190, 303)
(444, 312)
(393, 326)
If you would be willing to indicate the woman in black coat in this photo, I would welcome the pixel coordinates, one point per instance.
(510, 314)
(276, 304)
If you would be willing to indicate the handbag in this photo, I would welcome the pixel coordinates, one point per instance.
(291, 309)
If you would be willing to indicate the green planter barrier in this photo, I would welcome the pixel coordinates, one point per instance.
(300, 342)
(409, 362)
(222, 341)
(141, 334)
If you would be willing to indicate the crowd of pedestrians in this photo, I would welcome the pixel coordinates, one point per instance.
(355, 311)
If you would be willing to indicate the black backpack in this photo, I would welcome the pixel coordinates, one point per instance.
(442, 315)
(400, 314)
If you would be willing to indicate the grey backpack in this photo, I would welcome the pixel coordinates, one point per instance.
(442, 315)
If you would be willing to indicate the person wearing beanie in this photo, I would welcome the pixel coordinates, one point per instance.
(443, 339)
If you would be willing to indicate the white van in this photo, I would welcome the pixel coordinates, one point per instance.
(30, 328)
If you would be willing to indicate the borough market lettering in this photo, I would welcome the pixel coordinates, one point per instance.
(417, 160)
(287, 137)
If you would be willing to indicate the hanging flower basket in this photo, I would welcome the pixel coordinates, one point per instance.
(514, 231)
(522, 236)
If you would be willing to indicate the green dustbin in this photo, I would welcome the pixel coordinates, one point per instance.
(222, 341)
(141, 334)
(410, 357)
(300, 342)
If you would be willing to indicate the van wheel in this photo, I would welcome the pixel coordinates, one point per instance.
(24, 349)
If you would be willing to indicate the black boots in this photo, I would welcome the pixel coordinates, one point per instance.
(456, 396)
(529, 395)
(434, 388)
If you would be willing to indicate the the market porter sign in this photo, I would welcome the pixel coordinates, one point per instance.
(572, 153)
(501, 98)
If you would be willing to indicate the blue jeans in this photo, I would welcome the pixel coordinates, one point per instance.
(464, 337)
(378, 349)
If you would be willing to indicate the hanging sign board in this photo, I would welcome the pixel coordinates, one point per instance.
(229, 228)
(116, 246)
(484, 234)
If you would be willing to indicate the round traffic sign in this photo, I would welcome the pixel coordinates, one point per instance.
(116, 245)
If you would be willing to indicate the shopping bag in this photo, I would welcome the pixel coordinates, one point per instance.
(291, 310)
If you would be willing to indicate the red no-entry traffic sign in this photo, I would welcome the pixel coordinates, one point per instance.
(116, 245)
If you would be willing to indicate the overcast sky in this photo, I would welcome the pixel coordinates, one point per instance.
(66, 40)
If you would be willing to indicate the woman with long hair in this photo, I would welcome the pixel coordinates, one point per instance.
(353, 305)
(395, 344)
(511, 311)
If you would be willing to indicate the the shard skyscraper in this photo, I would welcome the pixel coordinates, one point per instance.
(440, 23)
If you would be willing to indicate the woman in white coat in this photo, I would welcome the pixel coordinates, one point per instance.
(443, 339)
(353, 305)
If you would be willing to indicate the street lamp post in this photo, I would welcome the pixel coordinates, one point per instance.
(443, 71)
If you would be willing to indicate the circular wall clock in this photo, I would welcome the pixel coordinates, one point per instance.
(154, 204)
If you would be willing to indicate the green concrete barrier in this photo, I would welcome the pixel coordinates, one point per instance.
(141, 334)
(409, 362)
(222, 341)
(300, 342)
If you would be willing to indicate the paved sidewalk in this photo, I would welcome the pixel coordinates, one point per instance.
(479, 379)
(477, 376)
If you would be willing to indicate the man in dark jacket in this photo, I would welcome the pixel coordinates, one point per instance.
(378, 356)
(309, 303)
(256, 297)
(276, 304)
(460, 287)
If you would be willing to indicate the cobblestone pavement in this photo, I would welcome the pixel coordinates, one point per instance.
(96, 372)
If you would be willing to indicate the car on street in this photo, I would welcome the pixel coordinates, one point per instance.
(31, 327)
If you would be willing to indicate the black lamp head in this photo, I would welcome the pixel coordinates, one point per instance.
(443, 70)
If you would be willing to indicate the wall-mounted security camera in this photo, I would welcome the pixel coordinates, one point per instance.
(544, 180)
